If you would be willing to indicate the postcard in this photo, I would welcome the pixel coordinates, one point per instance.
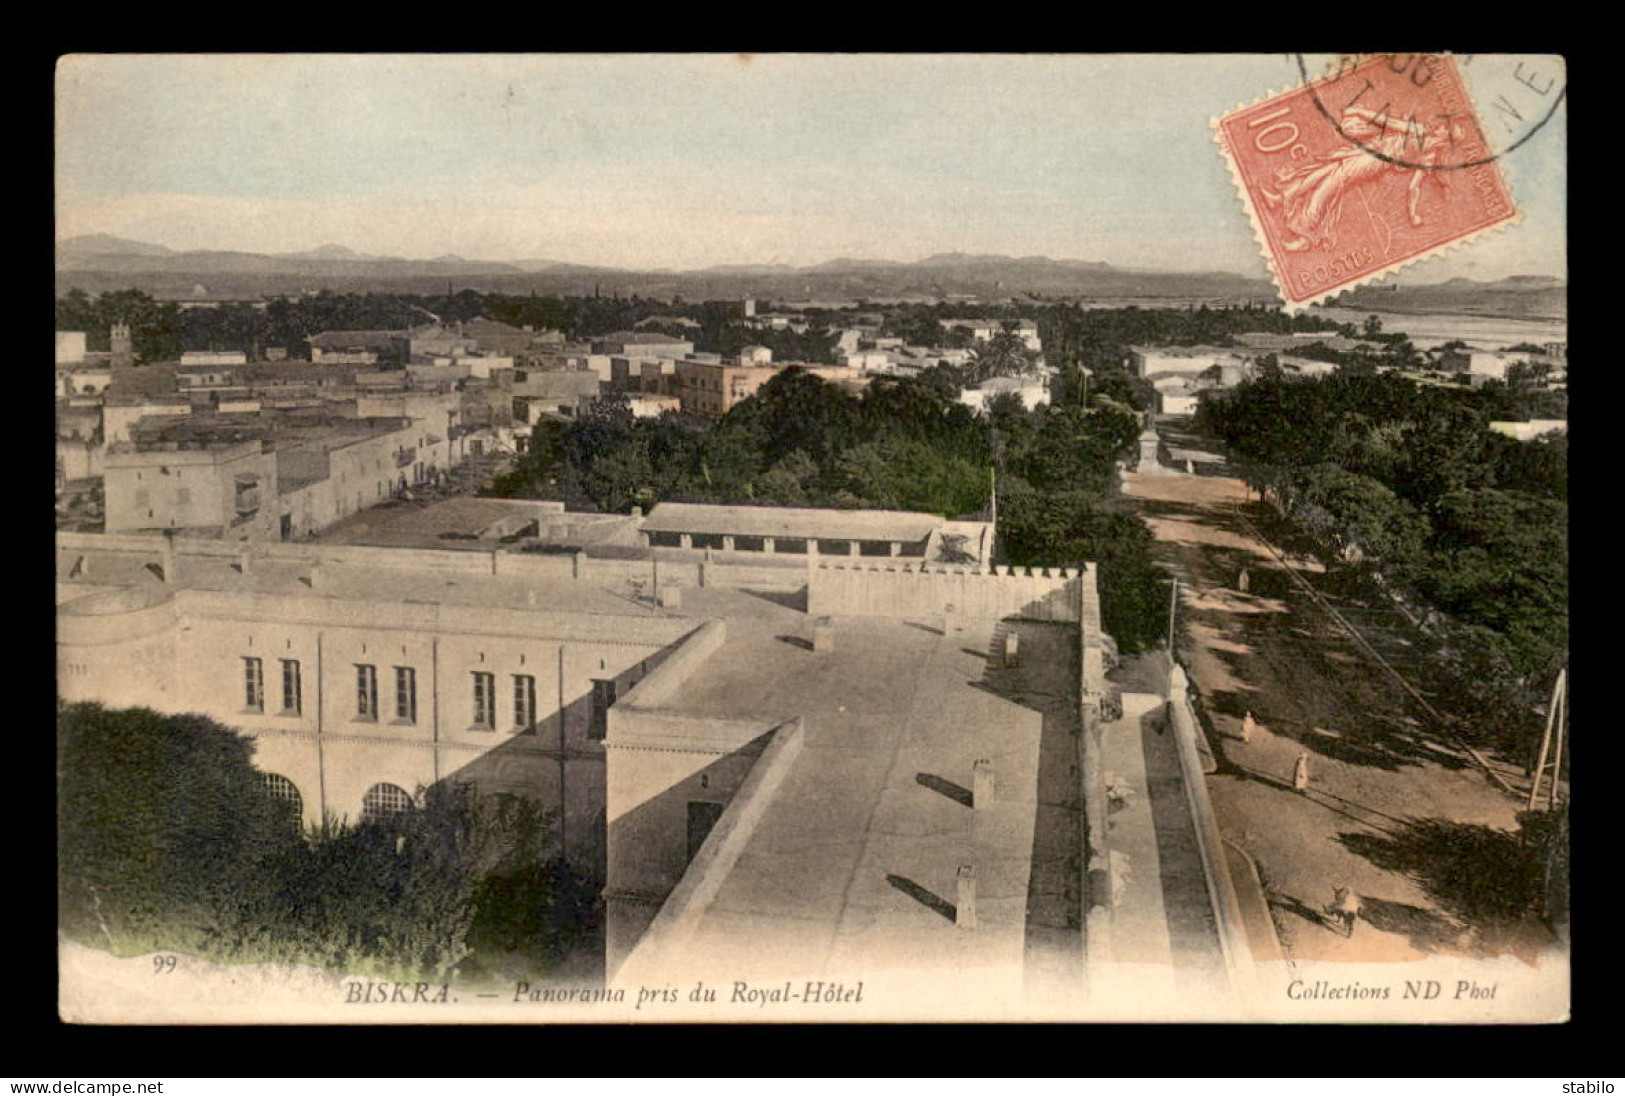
(587, 538)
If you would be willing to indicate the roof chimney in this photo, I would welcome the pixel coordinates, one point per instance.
(982, 784)
(169, 557)
(965, 908)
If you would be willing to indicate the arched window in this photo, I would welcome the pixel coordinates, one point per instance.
(383, 800)
(286, 792)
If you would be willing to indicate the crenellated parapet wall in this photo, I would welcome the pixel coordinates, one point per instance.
(934, 590)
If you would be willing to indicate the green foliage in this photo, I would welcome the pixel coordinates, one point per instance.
(1500, 560)
(1070, 448)
(531, 917)
(1134, 393)
(1412, 475)
(157, 331)
(1068, 528)
(169, 841)
(162, 822)
(800, 441)
(1546, 835)
(1363, 514)
(1004, 355)
(908, 474)
(1524, 395)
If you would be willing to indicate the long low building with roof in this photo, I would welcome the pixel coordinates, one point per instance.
(800, 531)
(1146, 361)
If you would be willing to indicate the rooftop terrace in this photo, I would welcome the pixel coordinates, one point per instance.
(852, 870)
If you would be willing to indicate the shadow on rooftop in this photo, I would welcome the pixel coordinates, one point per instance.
(796, 641)
(789, 599)
(948, 788)
(923, 897)
(1043, 679)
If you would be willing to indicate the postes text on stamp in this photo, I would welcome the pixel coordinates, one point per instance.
(1354, 174)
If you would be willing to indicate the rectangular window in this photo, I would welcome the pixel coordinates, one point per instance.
(292, 688)
(406, 694)
(485, 700)
(254, 684)
(366, 691)
(603, 695)
(524, 703)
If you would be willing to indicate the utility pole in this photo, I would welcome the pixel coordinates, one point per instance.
(1557, 759)
(1173, 608)
(1546, 738)
(993, 498)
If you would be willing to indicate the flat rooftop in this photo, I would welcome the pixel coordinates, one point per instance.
(1192, 351)
(852, 870)
(343, 580)
(790, 522)
(442, 524)
(314, 427)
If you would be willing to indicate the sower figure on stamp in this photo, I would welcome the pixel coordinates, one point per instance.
(1310, 197)
(1300, 773)
(1345, 909)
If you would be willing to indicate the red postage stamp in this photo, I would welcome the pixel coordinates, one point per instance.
(1369, 167)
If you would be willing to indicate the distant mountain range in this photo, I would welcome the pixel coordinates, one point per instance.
(99, 263)
(1522, 296)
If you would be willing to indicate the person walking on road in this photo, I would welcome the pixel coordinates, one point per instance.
(1345, 909)
(1247, 727)
(1300, 773)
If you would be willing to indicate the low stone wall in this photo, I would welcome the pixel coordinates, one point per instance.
(1227, 913)
(684, 909)
(1095, 887)
(932, 590)
(664, 681)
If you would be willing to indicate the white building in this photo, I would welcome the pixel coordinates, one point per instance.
(70, 347)
(482, 365)
(1033, 392)
(214, 357)
(870, 361)
(1534, 428)
(1143, 361)
(1294, 366)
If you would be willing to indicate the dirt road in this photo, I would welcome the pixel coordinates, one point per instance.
(1392, 808)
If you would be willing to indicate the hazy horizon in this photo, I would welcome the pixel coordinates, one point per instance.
(683, 162)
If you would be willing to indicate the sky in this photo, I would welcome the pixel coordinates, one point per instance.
(685, 161)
